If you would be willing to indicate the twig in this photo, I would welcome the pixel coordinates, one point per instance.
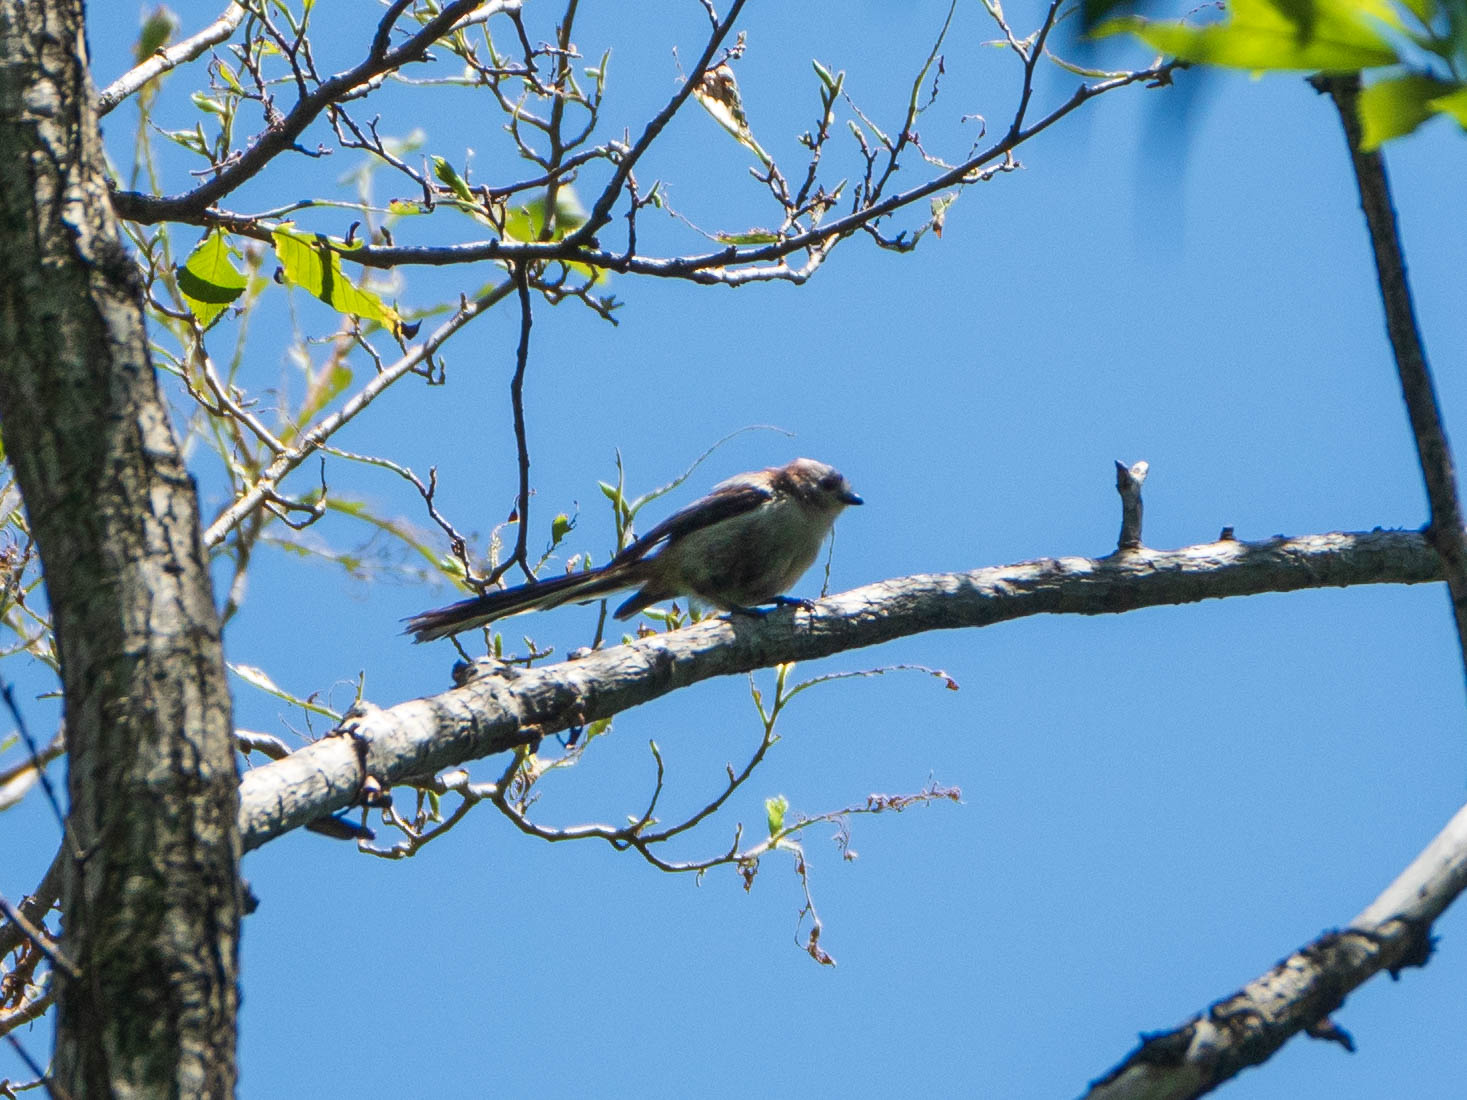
(1129, 480)
(311, 440)
(282, 135)
(35, 907)
(42, 942)
(522, 447)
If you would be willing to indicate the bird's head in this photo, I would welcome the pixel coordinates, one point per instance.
(817, 485)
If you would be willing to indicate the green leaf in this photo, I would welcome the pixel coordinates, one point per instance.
(560, 526)
(455, 182)
(774, 809)
(527, 222)
(832, 83)
(1453, 104)
(208, 104)
(209, 280)
(751, 236)
(227, 75)
(311, 263)
(1391, 108)
(1328, 35)
(157, 30)
(940, 204)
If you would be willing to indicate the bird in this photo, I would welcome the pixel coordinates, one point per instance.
(744, 544)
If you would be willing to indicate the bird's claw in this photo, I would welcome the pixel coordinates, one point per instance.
(794, 601)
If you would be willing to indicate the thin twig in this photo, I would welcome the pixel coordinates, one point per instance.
(522, 447)
(283, 134)
(311, 440)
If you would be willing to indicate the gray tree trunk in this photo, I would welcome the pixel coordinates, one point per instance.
(152, 898)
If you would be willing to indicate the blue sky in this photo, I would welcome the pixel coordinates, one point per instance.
(1157, 806)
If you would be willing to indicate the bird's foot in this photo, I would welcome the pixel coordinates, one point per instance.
(794, 601)
(778, 601)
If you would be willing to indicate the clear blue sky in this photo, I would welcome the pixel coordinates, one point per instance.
(1157, 806)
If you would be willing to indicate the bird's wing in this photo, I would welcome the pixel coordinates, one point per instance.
(724, 502)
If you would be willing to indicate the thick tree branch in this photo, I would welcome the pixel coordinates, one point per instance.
(505, 707)
(1444, 529)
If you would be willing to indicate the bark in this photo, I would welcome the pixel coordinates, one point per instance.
(151, 891)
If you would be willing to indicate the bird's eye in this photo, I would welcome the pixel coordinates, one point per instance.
(830, 482)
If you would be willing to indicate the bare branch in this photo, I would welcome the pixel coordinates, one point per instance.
(179, 53)
(493, 713)
(1299, 993)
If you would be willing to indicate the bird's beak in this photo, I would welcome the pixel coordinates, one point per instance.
(849, 497)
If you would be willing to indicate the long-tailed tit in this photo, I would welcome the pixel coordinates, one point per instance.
(743, 544)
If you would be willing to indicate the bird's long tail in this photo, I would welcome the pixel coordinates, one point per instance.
(440, 622)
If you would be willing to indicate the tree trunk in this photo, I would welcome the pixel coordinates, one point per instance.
(152, 898)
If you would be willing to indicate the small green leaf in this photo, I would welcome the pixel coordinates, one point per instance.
(775, 808)
(157, 30)
(1391, 108)
(455, 183)
(527, 222)
(560, 526)
(312, 263)
(325, 386)
(227, 75)
(208, 104)
(259, 678)
(209, 280)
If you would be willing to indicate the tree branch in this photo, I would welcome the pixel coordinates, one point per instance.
(175, 55)
(281, 134)
(1298, 994)
(505, 707)
(1444, 530)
